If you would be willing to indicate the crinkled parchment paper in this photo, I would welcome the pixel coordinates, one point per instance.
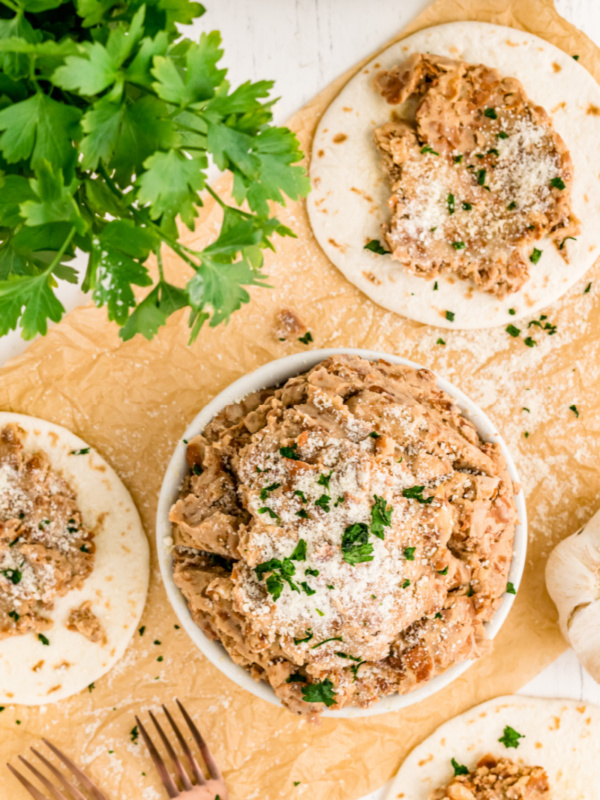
(132, 401)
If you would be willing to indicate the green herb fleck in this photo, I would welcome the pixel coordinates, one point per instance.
(323, 502)
(81, 452)
(450, 316)
(416, 493)
(530, 342)
(409, 553)
(557, 183)
(511, 737)
(458, 245)
(375, 246)
(290, 452)
(513, 330)
(307, 338)
(510, 588)
(467, 206)
(134, 734)
(264, 492)
(428, 149)
(43, 639)
(502, 135)
(459, 769)
(356, 547)
(575, 410)
(450, 201)
(490, 113)
(332, 639)
(535, 256)
(308, 635)
(481, 177)
(323, 692)
(440, 341)
(381, 517)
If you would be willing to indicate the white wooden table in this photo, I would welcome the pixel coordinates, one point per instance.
(303, 45)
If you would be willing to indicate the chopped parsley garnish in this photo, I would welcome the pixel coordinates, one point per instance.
(16, 539)
(443, 571)
(269, 511)
(43, 639)
(458, 158)
(513, 330)
(435, 286)
(467, 206)
(493, 152)
(374, 435)
(428, 149)
(438, 615)
(459, 769)
(375, 246)
(290, 452)
(543, 323)
(14, 615)
(587, 288)
(282, 571)
(296, 677)
(510, 737)
(481, 177)
(510, 588)
(381, 517)
(81, 452)
(511, 206)
(303, 514)
(575, 58)
(490, 113)
(339, 501)
(440, 341)
(405, 583)
(526, 409)
(160, 658)
(356, 547)
(557, 183)
(91, 687)
(332, 639)
(308, 635)
(306, 588)
(530, 342)
(347, 655)
(142, 630)
(324, 480)
(264, 492)
(450, 202)
(512, 312)
(84, 548)
(450, 316)
(323, 502)
(299, 553)
(323, 692)
(409, 553)
(562, 244)
(301, 495)
(354, 669)
(575, 410)
(319, 612)
(307, 338)
(197, 469)
(458, 245)
(13, 575)
(535, 256)
(526, 434)
(416, 493)
(311, 571)
(134, 733)
(502, 135)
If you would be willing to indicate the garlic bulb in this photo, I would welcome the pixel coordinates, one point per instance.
(573, 582)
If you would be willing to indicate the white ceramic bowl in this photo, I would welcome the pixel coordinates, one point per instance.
(273, 374)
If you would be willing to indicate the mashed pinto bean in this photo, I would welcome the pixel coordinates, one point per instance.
(477, 172)
(497, 779)
(346, 535)
(45, 549)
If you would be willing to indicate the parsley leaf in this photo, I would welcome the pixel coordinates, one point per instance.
(375, 246)
(381, 516)
(459, 769)
(511, 737)
(416, 493)
(323, 692)
(356, 548)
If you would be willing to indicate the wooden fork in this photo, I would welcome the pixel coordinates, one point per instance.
(196, 786)
(68, 790)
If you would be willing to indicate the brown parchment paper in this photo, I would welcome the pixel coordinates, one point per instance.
(133, 400)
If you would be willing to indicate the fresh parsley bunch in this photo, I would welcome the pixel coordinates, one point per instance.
(108, 119)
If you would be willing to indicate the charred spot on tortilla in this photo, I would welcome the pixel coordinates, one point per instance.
(477, 173)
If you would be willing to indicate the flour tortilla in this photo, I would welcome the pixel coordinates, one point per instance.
(350, 192)
(563, 736)
(116, 588)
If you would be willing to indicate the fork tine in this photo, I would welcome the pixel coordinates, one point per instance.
(196, 769)
(163, 772)
(213, 769)
(54, 790)
(183, 776)
(79, 774)
(35, 793)
(68, 786)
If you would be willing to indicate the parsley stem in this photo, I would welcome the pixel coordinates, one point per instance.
(12, 6)
(57, 258)
(159, 262)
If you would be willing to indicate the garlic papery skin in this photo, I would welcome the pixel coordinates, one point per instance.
(573, 583)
